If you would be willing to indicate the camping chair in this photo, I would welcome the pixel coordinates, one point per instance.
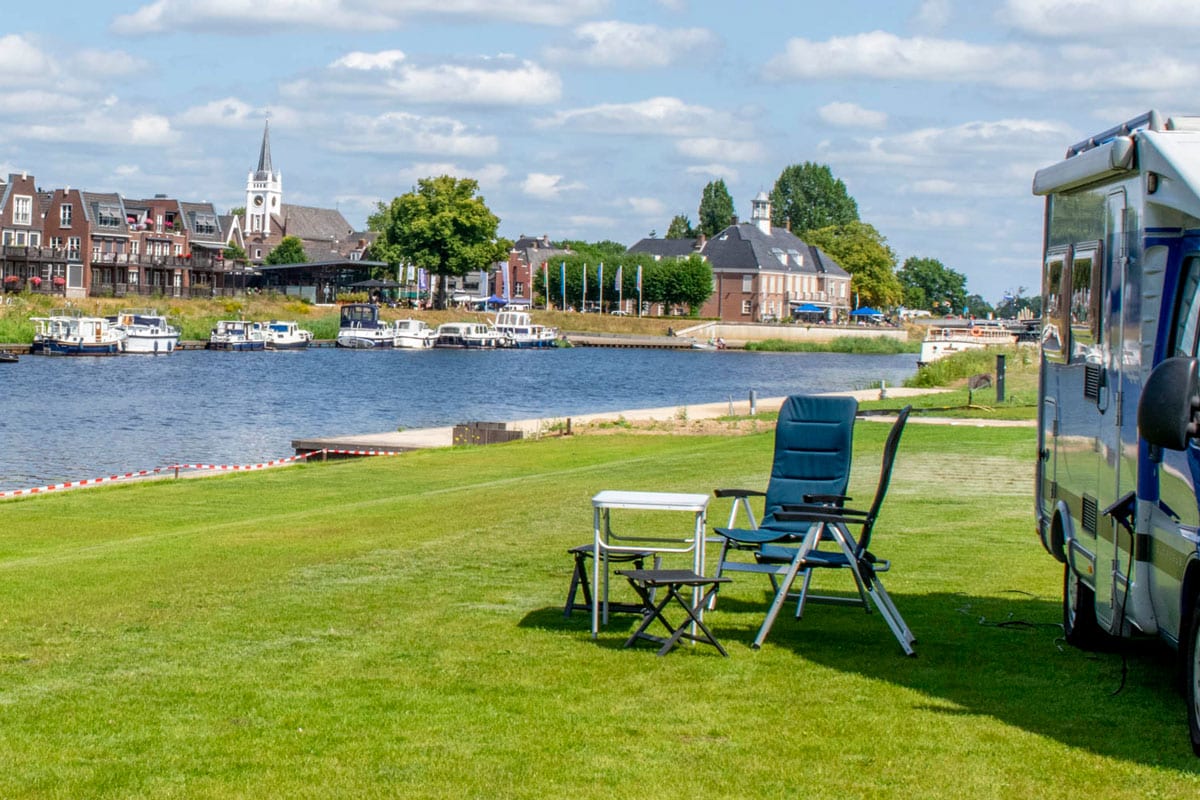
(811, 465)
(852, 554)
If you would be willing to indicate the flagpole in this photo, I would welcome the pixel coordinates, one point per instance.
(562, 282)
(583, 292)
(600, 281)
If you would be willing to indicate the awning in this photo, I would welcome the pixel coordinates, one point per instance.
(808, 308)
(865, 311)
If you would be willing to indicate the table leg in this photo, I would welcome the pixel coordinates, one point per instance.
(596, 556)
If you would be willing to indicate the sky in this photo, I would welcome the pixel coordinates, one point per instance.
(598, 119)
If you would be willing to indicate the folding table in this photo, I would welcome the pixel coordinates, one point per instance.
(608, 542)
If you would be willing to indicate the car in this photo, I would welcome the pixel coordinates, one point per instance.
(618, 313)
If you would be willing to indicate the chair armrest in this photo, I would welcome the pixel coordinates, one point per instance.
(826, 499)
(819, 513)
(738, 493)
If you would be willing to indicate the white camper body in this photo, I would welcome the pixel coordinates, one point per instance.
(1116, 501)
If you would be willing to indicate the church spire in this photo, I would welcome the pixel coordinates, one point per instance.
(264, 155)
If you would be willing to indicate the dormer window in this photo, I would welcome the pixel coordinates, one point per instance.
(108, 217)
(22, 209)
(780, 256)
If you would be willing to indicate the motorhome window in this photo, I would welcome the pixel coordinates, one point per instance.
(1085, 296)
(1055, 325)
(1187, 312)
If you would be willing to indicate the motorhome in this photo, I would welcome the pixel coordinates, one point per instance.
(1118, 456)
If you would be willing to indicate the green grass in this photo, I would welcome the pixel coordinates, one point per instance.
(393, 627)
(873, 345)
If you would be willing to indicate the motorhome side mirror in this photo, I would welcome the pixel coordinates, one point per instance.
(1170, 399)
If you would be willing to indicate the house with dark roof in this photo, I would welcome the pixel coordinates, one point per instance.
(762, 273)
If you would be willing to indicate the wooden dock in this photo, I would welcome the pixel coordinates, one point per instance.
(626, 340)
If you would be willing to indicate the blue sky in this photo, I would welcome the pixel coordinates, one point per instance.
(597, 119)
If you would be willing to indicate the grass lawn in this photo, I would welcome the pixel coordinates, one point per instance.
(393, 628)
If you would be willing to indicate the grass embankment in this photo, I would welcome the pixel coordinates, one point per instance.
(874, 345)
(393, 627)
(197, 317)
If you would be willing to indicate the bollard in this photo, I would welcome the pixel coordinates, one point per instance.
(753, 402)
(731, 405)
(883, 390)
(999, 377)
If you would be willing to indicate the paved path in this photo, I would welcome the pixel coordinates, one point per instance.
(399, 441)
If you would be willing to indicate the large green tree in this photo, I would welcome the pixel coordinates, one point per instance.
(443, 226)
(290, 250)
(864, 253)
(687, 282)
(681, 228)
(931, 285)
(807, 196)
(716, 208)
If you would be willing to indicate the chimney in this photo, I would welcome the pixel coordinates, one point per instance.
(701, 240)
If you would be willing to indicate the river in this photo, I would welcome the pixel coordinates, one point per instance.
(77, 418)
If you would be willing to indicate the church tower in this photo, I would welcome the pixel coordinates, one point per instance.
(264, 191)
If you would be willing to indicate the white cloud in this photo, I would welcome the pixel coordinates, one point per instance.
(22, 61)
(933, 218)
(933, 14)
(884, 55)
(256, 17)
(547, 187)
(385, 59)
(488, 175)
(727, 173)
(708, 149)
(646, 206)
(590, 221)
(852, 115)
(111, 126)
(667, 116)
(625, 45)
(1079, 19)
(228, 112)
(400, 132)
(37, 103)
(500, 81)
(935, 186)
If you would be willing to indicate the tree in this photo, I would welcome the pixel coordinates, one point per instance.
(234, 253)
(716, 208)
(687, 282)
(977, 307)
(290, 250)
(681, 228)
(807, 196)
(443, 226)
(863, 252)
(930, 285)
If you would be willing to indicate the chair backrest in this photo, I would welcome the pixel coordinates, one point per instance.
(885, 476)
(813, 440)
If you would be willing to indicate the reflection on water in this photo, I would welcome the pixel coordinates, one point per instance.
(74, 418)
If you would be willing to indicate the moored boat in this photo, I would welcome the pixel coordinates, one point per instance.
(8, 358)
(468, 335)
(518, 328)
(69, 333)
(146, 331)
(281, 335)
(413, 334)
(943, 340)
(236, 334)
(361, 328)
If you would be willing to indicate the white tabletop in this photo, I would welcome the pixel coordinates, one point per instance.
(651, 501)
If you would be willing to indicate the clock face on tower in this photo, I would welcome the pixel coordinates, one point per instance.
(258, 200)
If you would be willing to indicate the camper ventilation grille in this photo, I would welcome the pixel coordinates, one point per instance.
(1089, 514)
(1093, 379)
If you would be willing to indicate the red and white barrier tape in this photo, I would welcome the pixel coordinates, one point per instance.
(176, 467)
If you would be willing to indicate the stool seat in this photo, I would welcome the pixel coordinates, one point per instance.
(580, 580)
(646, 581)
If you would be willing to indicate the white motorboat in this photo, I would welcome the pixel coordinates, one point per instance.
(469, 335)
(520, 331)
(413, 334)
(236, 334)
(66, 332)
(288, 335)
(361, 328)
(146, 331)
(943, 340)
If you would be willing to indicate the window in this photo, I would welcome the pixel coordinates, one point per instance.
(747, 284)
(1085, 296)
(747, 308)
(64, 215)
(73, 247)
(206, 224)
(56, 242)
(108, 217)
(1054, 306)
(22, 209)
(133, 247)
(1187, 316)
